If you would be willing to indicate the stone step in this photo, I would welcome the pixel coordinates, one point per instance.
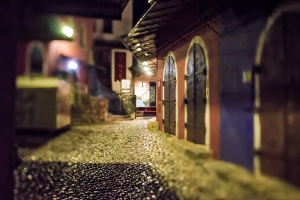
(116, 117)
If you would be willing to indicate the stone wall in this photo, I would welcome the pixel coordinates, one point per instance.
(128, 105)
(89, 109)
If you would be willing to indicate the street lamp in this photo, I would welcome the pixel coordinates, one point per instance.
(146, 69)
(68, 31)
(72, 65)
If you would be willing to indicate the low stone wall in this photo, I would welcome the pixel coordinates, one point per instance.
(89, 109)
(128, 104)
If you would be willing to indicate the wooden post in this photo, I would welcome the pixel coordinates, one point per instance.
(8, 51)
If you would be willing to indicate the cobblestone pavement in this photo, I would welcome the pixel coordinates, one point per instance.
(124, 160)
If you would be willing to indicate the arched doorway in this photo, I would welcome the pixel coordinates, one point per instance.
(277, 118)
(196, 95)
(169, 101)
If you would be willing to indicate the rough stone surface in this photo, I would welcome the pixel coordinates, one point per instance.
(124, 160)
(89, 109)
(128, 104)
(153, 126)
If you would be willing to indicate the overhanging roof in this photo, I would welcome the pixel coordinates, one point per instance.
(141, 39)
(87, 8)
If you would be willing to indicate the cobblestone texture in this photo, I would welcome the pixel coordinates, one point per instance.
(125, 160)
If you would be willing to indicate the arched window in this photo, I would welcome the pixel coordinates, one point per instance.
(36, 60)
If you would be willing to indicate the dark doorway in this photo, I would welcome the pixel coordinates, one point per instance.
(169, 101)
(196, 95)
(279, 111)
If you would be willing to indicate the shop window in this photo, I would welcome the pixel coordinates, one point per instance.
(107, 26)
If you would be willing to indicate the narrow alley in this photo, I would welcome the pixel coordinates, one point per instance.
(125, 160)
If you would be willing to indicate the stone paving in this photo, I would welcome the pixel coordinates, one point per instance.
(124, 160)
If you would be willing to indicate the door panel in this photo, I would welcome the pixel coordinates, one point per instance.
(200, 89)
(190, 96)
(196, 95)
(170, 97)
(280, 100)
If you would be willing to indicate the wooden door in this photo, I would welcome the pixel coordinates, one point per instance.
(280, 100)
(196, 95)
(169, 101)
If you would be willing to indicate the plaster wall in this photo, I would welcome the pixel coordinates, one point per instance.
(237, 51)
(211, 41)
(119, 27)
(51, 50)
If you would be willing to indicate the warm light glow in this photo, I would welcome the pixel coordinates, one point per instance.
(68, 31)
(139, 49)
(146, 69)
(146, 54)
(137, 45)
(144, 84)
(72, 65)
(140, 84)
(149, 73)
(145, 63)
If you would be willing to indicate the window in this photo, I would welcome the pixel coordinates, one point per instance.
(83, 37)
(107, 26)
(142, 84)
(36, 58)
(95, 26)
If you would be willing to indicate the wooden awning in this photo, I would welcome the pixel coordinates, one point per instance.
(141, 39)
(111, 9)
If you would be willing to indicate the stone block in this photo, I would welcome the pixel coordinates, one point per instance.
(153, 126)
(89, 109)
(196, 152)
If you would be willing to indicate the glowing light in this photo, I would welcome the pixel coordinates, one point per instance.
(149, 73)
(72, 65)
(146, 54)
(145, 63)
(68, 31)
(139, 49)
(137, 45)
(146, 69)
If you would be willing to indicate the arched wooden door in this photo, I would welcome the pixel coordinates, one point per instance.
(279, 112)
(170, 97)
(196, 95)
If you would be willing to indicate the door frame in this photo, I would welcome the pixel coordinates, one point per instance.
(271, 20)
(170, 54)
(200, 41)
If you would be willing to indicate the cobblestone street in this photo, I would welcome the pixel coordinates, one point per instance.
(125, 160)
